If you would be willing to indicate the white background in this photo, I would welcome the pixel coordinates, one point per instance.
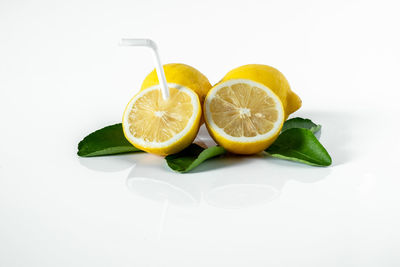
(63, 75)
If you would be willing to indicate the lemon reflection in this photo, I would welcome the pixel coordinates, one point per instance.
(153, 180)
(230, 183)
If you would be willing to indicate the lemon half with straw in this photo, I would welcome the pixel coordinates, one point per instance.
(160, 126)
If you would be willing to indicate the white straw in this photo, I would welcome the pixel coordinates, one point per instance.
(157, 62)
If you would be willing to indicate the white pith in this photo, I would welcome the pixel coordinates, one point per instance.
(244, 111)
(178, 136)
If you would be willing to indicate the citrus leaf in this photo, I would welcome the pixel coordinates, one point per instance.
(301, 123)
(192, 156)
(109, 140)
(299, 144)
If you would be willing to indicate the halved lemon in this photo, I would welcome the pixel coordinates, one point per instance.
(161, 126)
(243, 116)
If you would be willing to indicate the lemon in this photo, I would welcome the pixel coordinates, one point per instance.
(243, 116)
(182, 74)
(161, 126)
(271, 78)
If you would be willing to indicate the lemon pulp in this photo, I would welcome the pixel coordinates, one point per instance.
(156, 120)
(243, 110)
(162, 126)
(243, 116)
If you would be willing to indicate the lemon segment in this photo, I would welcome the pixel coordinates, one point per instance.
(161, 126)
(243, 116)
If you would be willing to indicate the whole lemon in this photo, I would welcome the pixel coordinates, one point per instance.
(273, 79)
(181, 74)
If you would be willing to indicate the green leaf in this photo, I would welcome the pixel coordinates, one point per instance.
(301, 123)
(299, 144)
(192, 156)
(106, 141)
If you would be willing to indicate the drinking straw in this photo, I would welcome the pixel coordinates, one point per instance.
(157, 62)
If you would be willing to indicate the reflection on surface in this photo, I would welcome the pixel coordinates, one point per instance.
(160, 191)
(150, 178)
(227, 182)
(241, 195)
(229, 186)
(113, 163)
(244, 190)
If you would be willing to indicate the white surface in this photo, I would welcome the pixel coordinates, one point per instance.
(63, 75)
